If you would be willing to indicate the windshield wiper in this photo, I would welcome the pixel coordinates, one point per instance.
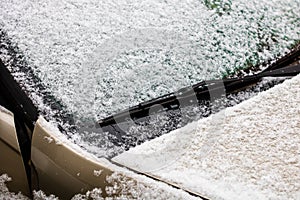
(283, 67)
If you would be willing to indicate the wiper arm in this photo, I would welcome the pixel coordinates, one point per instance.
(280, 68)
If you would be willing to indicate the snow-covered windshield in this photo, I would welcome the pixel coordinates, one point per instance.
(177, 43)
(99, 57)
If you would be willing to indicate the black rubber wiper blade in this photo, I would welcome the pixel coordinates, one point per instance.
(17, 101)
(281, 68)
(292, 70)
(286, 60)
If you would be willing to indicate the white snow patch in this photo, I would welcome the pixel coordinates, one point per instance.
(48, 139)
(40, 195)
(97, 172)
(4, 192)
(255, 154)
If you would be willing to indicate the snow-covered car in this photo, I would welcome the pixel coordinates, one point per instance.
(150, 99)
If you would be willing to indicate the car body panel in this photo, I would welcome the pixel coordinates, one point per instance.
(8, 132)
(59, 166)
(10, 156)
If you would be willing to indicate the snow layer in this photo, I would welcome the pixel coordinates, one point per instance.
(100, 57)
(4, 192)
(124, 184)
(249, 151)
(123, 188)
(140, 187)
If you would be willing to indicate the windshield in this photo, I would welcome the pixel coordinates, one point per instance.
(100, 57)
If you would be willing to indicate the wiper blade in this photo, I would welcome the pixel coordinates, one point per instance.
(17, 101)
(184, 97)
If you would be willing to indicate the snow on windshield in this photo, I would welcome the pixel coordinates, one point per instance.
(100, 57)
(67, 43)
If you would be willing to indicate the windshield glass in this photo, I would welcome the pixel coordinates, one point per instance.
(100, 57)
